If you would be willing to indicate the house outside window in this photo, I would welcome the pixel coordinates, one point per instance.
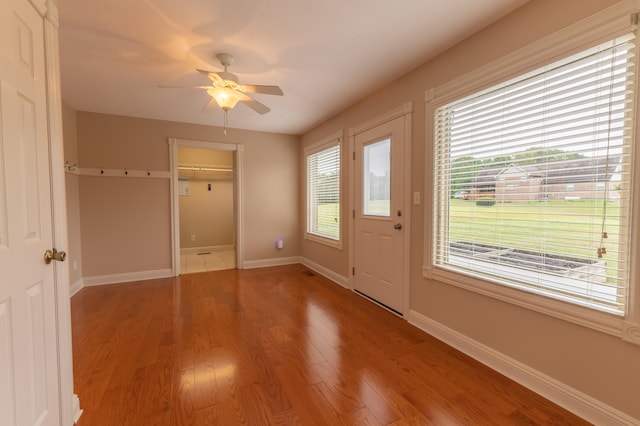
(536, 156)
(323, 198)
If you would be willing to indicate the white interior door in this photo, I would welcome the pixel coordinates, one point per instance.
(28, 336)
(379, 215)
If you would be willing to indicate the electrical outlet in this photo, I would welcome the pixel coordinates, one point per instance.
(193, 237)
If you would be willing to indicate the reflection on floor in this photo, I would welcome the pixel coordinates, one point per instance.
(213, 260)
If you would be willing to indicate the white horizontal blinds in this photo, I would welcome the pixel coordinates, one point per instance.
(323, 192)
(533, 178)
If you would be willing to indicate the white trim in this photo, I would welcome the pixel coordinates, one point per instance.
(351, 212)
(633, 298)
(118, 172)
(326, 272)
(126, 277)
(174, 143)
(239, 198)
(76, 410)
(326, 142)
(41, 6)
(404, 109)
(408, 124)
(560, 393)
(76, 287)
(277, 261)
(337, 244)
(596, 320)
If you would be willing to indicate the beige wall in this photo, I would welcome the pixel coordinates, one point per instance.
(600, 365)
(207, 215)
(209, 157)
(126, 221)
(74, 251)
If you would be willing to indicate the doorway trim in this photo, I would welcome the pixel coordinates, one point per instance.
(174, 144)
(403, 111)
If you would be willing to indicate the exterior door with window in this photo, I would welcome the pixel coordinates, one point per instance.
(379, 214)
(28, 328)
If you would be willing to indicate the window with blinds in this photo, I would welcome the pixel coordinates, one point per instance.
(323, 191)
(533, 180)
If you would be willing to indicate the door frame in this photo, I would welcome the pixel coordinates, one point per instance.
(174, 144)
(404, 111)
(69, 402)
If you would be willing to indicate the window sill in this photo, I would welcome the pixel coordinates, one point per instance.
(325, 241)
(600, 321)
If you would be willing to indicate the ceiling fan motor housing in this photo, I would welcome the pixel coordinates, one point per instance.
(225, 59)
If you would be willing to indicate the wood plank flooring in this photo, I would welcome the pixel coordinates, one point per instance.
(275, 346)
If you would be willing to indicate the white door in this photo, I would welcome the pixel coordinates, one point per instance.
(28, 337)
(379, 215)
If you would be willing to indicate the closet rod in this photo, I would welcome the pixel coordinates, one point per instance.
(205, 168)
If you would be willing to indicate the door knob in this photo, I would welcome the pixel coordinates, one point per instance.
(49, 255)
(397, 226)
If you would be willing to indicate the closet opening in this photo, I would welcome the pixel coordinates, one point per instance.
(205, 207)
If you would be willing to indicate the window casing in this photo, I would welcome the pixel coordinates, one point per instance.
(323, 198)
(504, 146)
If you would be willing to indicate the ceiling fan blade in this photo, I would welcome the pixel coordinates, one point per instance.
(266, 90)
(253, 104)
(184, 87)
(211, 75)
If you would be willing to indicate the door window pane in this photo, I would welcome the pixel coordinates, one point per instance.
(377, 179)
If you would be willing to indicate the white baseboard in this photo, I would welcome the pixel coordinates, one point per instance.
(328, 273)
(571, 399)
(126, 277)
(77, 411)
(196, 250)
(263, 263)
(76, 287)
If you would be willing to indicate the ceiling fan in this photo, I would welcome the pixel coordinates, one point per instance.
(226, 91)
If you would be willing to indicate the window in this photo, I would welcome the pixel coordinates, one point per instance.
(323, 191)
(564, 133)
(377, 179)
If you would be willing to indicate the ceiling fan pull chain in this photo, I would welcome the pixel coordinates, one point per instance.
(226, 121)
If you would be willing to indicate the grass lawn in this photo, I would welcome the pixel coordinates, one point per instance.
(331, 212)
(569, 228)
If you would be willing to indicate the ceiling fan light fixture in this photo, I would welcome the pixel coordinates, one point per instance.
(224, 97)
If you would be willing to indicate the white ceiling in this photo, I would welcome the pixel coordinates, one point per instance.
(324, 54)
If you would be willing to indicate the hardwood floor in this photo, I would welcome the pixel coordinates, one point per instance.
(275, 346)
